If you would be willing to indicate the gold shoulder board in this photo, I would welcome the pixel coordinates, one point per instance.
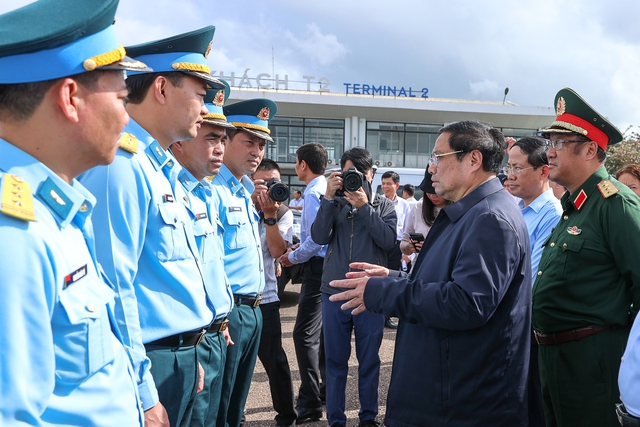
(129, 142)
(17, 200)
(607, 189)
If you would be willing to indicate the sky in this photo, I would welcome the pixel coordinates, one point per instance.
(459, 49)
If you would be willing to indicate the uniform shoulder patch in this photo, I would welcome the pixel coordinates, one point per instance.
(16, 199)
(128, 142)
(607, 188)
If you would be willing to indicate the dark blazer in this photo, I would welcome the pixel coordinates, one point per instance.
(462, 349)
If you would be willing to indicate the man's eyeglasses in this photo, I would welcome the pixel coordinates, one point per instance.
(557, 144)
(516, 170)
(433, 160)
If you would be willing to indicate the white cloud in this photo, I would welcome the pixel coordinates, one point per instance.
(324, 49)
(486, 87)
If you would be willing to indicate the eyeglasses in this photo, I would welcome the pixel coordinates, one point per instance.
(433, 160)
(557, 144)
(516, 170)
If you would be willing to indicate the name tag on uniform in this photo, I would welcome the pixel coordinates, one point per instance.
(200, 216)
(167, 198)
(73, 277)
(235, 209)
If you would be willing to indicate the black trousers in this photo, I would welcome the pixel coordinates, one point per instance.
(275, 363)
(307, 335)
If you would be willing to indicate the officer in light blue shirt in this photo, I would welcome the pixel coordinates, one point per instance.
(243, 263)
(146, 242)
(629, 379)
(200, 158)
(528, 179)
(63, 358)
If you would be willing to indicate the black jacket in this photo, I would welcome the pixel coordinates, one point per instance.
(363, 236)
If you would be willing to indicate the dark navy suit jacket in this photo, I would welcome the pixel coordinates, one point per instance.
(462, 349)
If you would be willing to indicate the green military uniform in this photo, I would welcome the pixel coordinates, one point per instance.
(589, 274)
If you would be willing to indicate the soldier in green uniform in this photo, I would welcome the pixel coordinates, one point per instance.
(589, 274)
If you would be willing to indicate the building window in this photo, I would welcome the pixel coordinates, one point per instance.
(290, 133)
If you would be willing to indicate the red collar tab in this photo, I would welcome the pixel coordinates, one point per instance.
(580, 199)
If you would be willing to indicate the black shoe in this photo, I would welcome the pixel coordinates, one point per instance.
(308, 414)
(368, 423)
(390, 324)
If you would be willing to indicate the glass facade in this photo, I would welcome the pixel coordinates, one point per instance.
(290, 133)
(410, 145)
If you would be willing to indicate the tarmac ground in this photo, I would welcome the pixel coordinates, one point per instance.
(259, 408)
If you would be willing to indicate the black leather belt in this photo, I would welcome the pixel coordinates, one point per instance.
(219, 325)
(185, 339)
(626, 419)
(247, 300)
(568, 336)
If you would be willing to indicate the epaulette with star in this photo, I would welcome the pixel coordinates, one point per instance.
(128, 142)
(16, 199)
(607, 188)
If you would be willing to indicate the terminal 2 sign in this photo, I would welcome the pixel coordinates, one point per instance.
(310, 83)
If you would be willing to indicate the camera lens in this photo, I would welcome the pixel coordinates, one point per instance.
(277, 190)
(352, 180)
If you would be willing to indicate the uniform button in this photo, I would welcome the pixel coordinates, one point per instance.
(185, 199)
(90, 308)
(564, 245)
(566, 217)
(169, 163)
(540, 273)
(83, 208)
(552, 244)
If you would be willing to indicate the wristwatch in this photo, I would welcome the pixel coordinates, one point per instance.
(270, 221)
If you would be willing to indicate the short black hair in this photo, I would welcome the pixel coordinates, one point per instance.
(20, 101)
(268, 165)
(469, 135)
(410, 189)
(391, 174)
(139, 84)
(360, 157)
(535, 149)
(315, 156)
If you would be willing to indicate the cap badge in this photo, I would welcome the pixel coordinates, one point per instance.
(574, 231)
(219, 98)
(561, 107)
(264, 113)
(208, 51)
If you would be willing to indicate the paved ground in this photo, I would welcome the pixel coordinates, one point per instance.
(259, 407)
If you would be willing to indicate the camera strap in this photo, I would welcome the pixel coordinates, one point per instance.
(342, 215)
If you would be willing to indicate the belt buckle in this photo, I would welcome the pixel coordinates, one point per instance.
(536, 334)
(256, 303)
(223, 326)
(201, 337)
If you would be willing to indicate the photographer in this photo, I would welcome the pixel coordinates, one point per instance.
(357, 226)
(276, 232)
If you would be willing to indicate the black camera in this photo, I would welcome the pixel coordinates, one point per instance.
(352, 180)
(277, 190)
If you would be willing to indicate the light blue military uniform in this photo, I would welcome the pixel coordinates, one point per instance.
(212, 352)
(63, 359)
(243, 262)
(147, 244)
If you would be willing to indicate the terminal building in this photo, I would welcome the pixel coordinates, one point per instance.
(399, 131)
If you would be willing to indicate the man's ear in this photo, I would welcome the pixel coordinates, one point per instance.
(159, 88)
(68, 98)
(475, 157)
(544, 172)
